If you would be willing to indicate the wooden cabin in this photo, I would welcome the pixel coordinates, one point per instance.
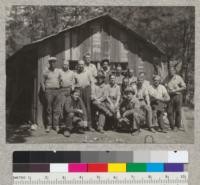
(103, 36)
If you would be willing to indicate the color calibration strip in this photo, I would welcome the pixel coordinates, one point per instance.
(98, 167)
(100, 157)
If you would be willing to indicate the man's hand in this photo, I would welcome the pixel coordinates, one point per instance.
(79, 111)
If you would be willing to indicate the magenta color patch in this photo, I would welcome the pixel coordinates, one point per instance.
(77, 167)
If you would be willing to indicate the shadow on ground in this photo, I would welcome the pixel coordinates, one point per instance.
(17, 133)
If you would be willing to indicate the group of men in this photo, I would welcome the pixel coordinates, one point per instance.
(91, 99)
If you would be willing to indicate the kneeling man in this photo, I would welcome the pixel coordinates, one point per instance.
(74, 113)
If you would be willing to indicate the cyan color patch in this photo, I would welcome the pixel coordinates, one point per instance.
(155, 167)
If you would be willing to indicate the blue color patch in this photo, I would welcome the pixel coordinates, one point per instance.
(155, 167)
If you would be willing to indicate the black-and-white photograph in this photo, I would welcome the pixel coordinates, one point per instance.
(100, 74)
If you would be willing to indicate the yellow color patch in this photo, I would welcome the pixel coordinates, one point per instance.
(116, 167)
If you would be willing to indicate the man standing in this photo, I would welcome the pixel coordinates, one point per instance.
(175, 86)
(131, 77)
(67, 80)
(98, 101)
(159, 98)
(91, 68)
(106, 70)
(143, 96)
(119, 76)
(74, 113)
(85, 81)
(51, 85)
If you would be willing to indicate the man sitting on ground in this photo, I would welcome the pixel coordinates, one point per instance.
(98, 101)
(74, 113)
(130, 111)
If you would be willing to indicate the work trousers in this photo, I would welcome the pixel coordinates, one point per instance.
(86, 97)
(103, 112)
(53, 107)
(148, 112)
(158, 109)
(174, 110)
(72, 121)
(134, 120)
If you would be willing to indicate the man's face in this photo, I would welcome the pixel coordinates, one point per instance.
(87, 59)
(129, 95)
(131, 73)
(100, 80)
(172, 71)
(118, 71)
(66, 66)
(112, 80)
(81, 66)
(156, 82)
(140, 80)
(125, 82)
(52, 64)
(105, 65)
(75, 95)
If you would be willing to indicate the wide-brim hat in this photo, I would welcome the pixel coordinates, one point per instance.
(129, 89)
(53, 59)
(100, 75)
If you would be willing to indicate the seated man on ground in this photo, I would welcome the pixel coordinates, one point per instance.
(74, 113)
(113, 95)
(130, 111)
(98, 101)
(143, 96)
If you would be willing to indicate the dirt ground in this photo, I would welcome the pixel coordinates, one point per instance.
(23, 134)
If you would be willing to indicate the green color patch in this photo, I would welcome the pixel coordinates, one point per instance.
(136, 167)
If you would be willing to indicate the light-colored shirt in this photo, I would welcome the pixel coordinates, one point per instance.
(83, 79)
(175, 83)
(91, 68)
(113, 92)
(159, 92)
(67, 78)
(99, 92)
(132, 80)
(51, 79)
(119, 79)
(142, 93)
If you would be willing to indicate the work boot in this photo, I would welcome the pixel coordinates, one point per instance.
(101, 130)
(152, 130)
(48, 128)
(91, 129)
(57, 129)
(66, 133)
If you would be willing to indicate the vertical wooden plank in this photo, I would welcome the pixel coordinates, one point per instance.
(123, 48)
(105, 42)
(75, 49)
(96, 42)
(67, 46)
(58, 49)
(115, 48)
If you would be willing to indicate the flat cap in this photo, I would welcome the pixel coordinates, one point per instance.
(52, 59)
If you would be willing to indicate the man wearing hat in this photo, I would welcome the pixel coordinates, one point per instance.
(175, 86)
(51, 85)
(142, 94)
(130, 111)
(106, 70)
(67, 79)
(75, 116)
(119, 76)
(159, 97)
(85, 81)
(91, 68)
(98, 97)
